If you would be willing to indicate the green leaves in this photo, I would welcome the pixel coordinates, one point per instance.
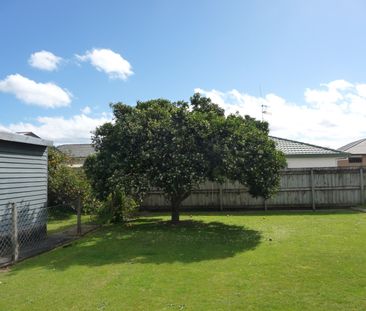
(175, 146)
(65, 184)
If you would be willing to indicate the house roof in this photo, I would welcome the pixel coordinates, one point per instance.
(77, 150)
(24, 139)
(355, 147)
(296, 148)
(287, 146)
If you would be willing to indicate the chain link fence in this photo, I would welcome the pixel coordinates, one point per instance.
(6, 233)
(25, 230)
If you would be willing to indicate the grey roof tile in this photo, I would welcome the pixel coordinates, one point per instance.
(77, 150)
(287, 146)
(292, 147)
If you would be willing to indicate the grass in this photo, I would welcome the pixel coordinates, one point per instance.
(59, 220)
(248, 261)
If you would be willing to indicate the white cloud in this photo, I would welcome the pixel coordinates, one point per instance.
(112, 63)
(332, 115)
(86, 110)
(44, 60)
(332, 92)
(76, 129)
(47, 95)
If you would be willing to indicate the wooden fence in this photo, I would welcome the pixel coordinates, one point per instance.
(300, 188)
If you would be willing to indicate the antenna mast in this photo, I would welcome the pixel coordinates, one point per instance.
(264, 110)
(263, 106)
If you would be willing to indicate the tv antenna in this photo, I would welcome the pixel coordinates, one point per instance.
(264, 107)
(264, 110)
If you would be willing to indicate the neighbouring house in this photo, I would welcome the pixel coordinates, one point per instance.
(303, 155)
(77, 152)
(356, 154)
(23, 186)
(298, 154)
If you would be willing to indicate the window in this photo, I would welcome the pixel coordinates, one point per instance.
(355, 160)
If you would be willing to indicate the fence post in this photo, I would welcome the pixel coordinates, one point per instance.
(14, 235)
(78, 210)
(220, 197)
(362, 197)
(312, 189)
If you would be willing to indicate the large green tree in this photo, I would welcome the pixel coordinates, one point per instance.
(174, 146)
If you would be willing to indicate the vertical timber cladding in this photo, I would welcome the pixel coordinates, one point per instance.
(23, 181)
(299, 188)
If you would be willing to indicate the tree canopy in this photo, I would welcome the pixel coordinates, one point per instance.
(174, 146)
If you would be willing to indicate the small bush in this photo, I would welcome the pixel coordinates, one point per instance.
(118, 207)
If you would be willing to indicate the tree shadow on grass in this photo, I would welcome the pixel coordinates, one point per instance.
(151, 241)
(256, 213)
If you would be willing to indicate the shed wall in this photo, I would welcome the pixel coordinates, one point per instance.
(23, 181)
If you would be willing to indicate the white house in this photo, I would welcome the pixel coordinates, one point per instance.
(298, 154)
(303, 155)
(356, 154)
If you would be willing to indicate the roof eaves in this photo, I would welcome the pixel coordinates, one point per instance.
(317, 155)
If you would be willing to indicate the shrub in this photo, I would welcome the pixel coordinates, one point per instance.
(118, 207)
(66, 184)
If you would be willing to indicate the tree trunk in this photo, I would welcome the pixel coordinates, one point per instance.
(175, 211)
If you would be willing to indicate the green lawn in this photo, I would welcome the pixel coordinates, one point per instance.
(248, 261)
(60, 221)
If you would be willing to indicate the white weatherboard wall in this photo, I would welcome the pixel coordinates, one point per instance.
(307, 162)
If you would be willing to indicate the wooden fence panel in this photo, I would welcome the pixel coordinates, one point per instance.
(299, 188)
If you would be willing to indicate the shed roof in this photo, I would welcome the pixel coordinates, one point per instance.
(296, 148)
(28, 134)
(77, 150)
(24, 139)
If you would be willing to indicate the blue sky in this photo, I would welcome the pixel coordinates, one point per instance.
(305, 60)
